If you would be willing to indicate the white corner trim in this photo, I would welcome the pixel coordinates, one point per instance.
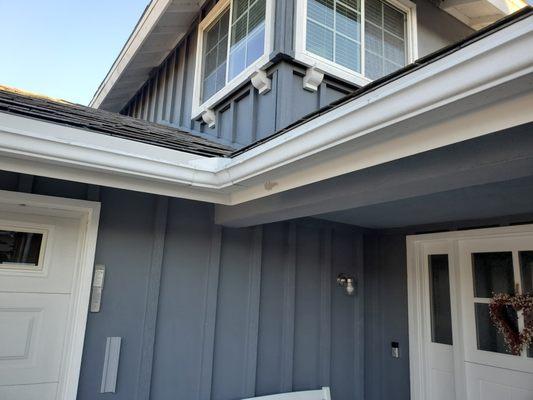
(199, 106)
(209, 117)
(42, 148)
(89, 214)
(261, 81)
(312, 79)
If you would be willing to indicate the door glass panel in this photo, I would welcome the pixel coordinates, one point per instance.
(439, 281)
(526, 269)
(488, 337)
(493, 273)
(20, 247)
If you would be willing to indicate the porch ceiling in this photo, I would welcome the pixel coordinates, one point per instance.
(493, 200)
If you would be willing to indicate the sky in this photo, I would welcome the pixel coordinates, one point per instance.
(63, 48)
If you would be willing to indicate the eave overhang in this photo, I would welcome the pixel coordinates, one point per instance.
(481, 87)
(163, 24)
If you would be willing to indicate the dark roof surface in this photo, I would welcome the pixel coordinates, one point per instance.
(20, 103)
(421, 62)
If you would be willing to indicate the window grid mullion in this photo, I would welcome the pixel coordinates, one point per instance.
(335, 30)
(362, 37)
(230, 31)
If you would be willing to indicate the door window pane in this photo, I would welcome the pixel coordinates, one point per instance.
(441, 316)
(488, 337)
(493, 273)
(20, 247)
(526, 269)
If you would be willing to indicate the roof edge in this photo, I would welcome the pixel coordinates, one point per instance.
(151, 14)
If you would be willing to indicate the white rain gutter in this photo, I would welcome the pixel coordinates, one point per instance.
(42, 148)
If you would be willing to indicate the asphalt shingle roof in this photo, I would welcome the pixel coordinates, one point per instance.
(20, 103)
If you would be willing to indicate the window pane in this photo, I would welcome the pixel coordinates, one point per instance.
(441, 315)
(215, 55)
(347, 22)
(493, 273)
(319, 40)
(384, 38)
(488, 337)
(321, 11)
(20, 247)
(347, 53)
(334, 31)
(526, 268)
(247, 34)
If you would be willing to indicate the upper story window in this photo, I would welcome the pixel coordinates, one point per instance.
(356, 40)
(233, 41)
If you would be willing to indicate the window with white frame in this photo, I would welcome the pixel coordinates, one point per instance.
(355, 38)
(232, 40)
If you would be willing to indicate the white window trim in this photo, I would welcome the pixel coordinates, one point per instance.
(331, 68)
(198, 108)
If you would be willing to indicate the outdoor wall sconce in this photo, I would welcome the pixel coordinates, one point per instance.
(347, 282)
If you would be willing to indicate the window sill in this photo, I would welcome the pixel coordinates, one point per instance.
(330, 68)
(227, 90)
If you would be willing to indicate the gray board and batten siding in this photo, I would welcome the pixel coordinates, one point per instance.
(208, 312)
(244, 116)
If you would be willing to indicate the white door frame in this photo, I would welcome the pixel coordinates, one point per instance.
(418, 353)
(88, 213)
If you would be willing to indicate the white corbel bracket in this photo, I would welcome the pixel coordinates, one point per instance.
(209, 117)
(312, 79)
(261, 82)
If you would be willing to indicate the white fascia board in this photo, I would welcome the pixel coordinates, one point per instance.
(101, 159)
(94, 158)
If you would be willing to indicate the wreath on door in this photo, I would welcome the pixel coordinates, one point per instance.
(499, 307)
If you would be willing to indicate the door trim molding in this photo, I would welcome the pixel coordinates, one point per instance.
(88, 213)
(415, 286)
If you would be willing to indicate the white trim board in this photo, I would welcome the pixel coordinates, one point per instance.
(88, 213)
(346, 139)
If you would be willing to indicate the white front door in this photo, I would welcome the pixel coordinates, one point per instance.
(456, 352)
(41, 252)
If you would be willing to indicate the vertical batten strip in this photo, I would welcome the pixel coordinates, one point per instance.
(254, 295)
(289, 301)
(152, 300)
(179, 92)
(325, 308)
(160, 92)
(169, 93)
(153, 98)
(255, 98)
(359, 318)
(144, 100)
(210, 312)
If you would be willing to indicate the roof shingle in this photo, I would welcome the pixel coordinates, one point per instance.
(17, 102)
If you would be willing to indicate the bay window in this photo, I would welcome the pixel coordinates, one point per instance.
(355, 40)
(233, 42)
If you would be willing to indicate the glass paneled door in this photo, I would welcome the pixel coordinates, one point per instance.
(490, 266)
(456, 353)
